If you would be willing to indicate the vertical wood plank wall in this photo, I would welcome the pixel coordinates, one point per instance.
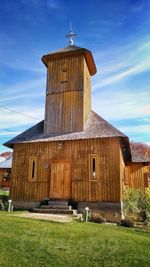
(63, 112)
(122, 174)
(105, 189)
(64, 100)
(134, 176)
(87, 93)
(67, 101)
(74, 72)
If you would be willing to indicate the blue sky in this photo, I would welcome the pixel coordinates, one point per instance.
(116, 31)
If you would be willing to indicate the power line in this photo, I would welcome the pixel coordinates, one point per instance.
(20, 113)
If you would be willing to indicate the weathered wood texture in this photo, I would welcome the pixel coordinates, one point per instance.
(87, 93)
(68, 95)
(134, 176)
(106, 187)
(60, 179)
(122, 173)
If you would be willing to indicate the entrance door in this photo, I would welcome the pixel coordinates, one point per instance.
(60, 179)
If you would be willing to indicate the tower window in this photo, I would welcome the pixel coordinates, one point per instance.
(32, 171)
(93, 167)
(64, 74)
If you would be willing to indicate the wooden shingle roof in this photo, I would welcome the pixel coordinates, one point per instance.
(7, 163)
(137, 157)
(72, 51)
(96, 127)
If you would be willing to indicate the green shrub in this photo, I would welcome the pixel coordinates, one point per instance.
(136, 200)
(96, 217)
(144, 215)
(4, 202)
(4, 197)
(126, 223)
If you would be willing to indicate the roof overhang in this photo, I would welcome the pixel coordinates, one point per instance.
(63, 54)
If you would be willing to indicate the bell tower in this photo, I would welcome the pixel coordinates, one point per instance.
(68, 90)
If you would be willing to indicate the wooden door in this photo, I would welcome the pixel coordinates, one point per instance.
(60, 179)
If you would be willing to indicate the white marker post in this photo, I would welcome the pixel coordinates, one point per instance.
(9, 205)
(86, 214)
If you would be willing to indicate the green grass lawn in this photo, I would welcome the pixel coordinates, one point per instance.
(31, 242)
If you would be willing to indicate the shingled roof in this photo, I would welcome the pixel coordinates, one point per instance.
(6, 164)
(72, 50)
(66, 49)
(96, 127)
(137, 157)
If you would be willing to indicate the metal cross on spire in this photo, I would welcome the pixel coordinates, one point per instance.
(70, 35)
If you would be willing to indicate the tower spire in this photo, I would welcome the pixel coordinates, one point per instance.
(70, 35)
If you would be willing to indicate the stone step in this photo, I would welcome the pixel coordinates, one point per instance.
(58, 202)
(64, 207)
(54, 211)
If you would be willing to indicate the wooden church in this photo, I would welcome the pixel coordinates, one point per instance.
(73, 154)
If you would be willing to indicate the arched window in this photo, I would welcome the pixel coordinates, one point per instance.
(93, 175)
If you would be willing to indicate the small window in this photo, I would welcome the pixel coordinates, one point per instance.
(93, 167)
(33, 169)
(64, 74)
(32, 173)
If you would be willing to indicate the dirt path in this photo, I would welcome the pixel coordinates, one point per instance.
(48, 217)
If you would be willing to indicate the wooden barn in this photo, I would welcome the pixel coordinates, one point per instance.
(73, 154)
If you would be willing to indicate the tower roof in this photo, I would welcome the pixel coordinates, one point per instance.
(72, 50)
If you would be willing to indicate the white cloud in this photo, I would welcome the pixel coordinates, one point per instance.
(140, 129)
(121, 62)
(122, 104)
(138, 68)
(12, 120)
(146, 119)
(130, 71)
(24, 66)
(4, 133)
(111, 98)
(19, 88)
(28, 95)
(19, 97)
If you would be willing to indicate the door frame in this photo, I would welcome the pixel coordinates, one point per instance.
(57, 161)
